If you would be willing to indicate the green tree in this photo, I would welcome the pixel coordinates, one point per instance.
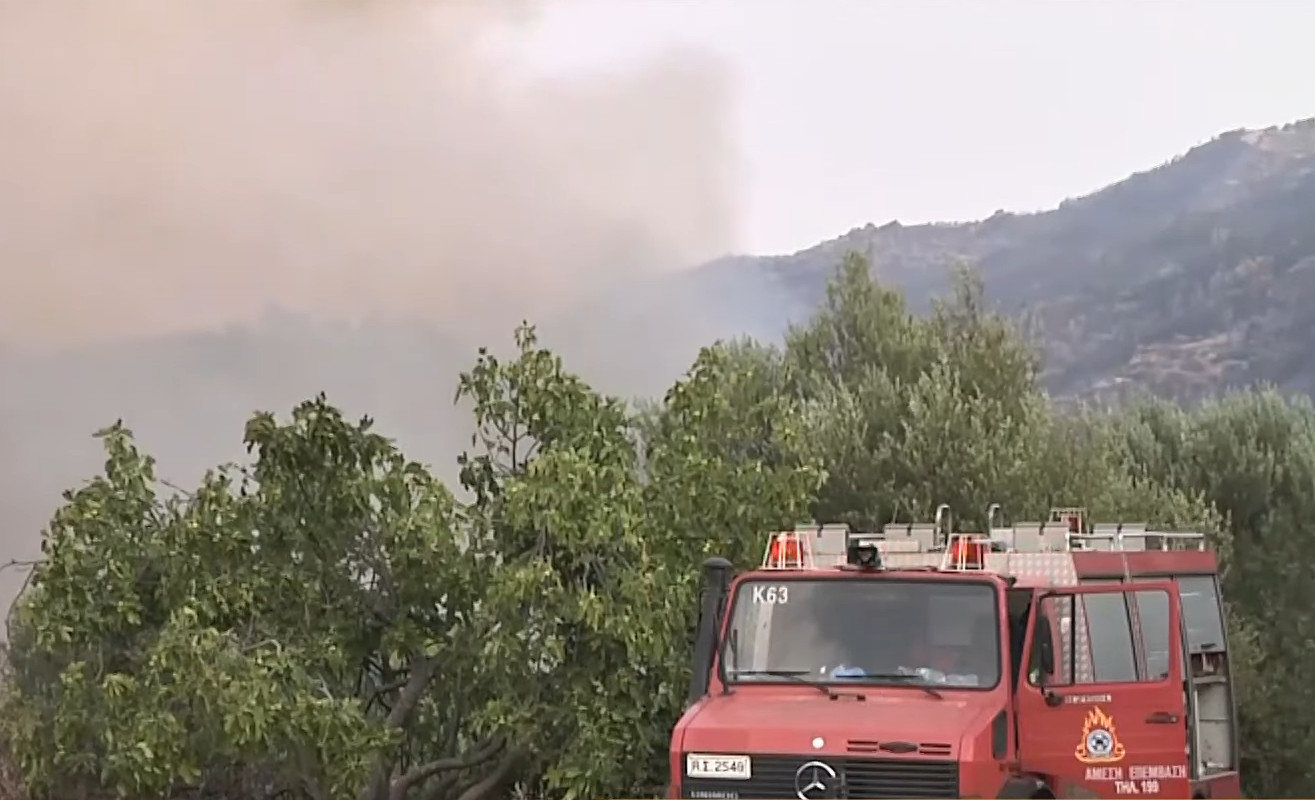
(559, 518)
(329, 622)
(725, 463)
(598, 558)
(280, 626)
(907, 412)
(1251, 455)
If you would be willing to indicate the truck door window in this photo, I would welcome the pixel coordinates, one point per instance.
(1093, 638)
(1202, 615)
(1205, 624)
(1153, 615)
(1110, 629)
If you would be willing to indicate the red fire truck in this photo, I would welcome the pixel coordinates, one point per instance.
(1043, 659)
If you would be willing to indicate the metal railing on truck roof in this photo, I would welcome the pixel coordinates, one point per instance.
(1067, 530)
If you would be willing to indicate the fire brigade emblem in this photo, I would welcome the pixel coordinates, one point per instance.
(1100, 741)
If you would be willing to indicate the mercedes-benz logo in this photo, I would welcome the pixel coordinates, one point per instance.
(814, 780)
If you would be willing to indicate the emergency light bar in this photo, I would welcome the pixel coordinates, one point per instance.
(965, 552)
(788, 550)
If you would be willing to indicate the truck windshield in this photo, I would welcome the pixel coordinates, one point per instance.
(888, 631)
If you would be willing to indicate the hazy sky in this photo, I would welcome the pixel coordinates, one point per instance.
(856, 111)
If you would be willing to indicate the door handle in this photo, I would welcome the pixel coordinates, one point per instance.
(1162, 718)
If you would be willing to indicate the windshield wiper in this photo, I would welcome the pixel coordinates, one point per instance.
(796, 675)
(900, 676)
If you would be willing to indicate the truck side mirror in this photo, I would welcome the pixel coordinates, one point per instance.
(1043, 646)
(1046, 656)
(1042, 661)
(716, 581)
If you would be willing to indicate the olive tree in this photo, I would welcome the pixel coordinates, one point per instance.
(906, 412)
(597, 552)
(277, 629)
(329, 621)
(1251, 455)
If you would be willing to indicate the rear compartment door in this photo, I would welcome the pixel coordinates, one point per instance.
(1095, 715)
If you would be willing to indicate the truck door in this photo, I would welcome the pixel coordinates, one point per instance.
(1093, 718)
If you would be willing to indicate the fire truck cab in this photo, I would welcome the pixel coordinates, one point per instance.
(1043, 659)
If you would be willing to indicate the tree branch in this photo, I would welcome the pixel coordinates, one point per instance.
(14, 562)
(497, 779)
(441, 788)
(388, 687)
(14, 604)
(459, 787)
(379, 695)
(171, 485)
(403, 783)
(422, 670)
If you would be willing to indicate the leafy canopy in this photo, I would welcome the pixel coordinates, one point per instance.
(330, 621)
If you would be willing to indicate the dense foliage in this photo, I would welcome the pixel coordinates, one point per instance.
(328, 620)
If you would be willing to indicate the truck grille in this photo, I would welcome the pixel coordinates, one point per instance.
(774, 777)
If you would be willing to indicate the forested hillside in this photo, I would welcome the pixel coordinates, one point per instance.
(1185, 279)
(330, 620)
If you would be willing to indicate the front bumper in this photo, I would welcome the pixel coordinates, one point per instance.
(779, 776)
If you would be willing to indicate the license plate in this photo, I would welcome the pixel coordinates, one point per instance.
(709, 766)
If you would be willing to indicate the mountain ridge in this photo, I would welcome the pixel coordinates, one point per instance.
(1114, 277)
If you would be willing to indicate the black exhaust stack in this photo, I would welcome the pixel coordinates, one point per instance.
(716, 582)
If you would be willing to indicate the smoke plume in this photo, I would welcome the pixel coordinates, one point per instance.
(173, 164)
(213, 206)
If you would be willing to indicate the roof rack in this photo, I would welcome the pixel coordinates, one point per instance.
(1121, 537)
(811, 545)
(1067, 529)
